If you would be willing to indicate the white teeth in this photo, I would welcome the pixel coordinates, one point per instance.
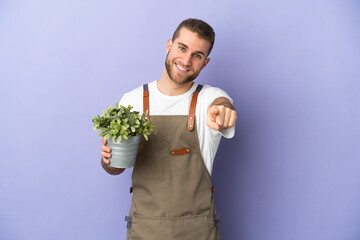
(181, 68)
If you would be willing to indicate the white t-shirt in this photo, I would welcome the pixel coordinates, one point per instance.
(161, 104)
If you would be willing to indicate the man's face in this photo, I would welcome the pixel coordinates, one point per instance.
(186, 56)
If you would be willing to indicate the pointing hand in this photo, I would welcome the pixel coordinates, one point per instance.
(220, 117)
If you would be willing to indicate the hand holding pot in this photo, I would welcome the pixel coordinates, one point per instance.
(105, 153)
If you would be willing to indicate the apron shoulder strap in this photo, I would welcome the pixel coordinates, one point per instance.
(146, 100)
(191, 117)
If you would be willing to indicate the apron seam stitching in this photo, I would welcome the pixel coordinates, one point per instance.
(175, 218)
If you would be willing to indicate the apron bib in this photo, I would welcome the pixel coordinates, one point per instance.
(172, 190)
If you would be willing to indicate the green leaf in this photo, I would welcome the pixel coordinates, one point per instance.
(121, 123)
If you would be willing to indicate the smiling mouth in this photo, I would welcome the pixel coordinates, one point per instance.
(181, 68)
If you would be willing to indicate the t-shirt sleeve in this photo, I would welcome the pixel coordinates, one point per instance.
(133, 98)
(210, 94)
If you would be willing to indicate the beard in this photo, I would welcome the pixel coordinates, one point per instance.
(169, 65)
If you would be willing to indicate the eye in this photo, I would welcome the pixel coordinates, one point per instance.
(182, 48)
(197, 56)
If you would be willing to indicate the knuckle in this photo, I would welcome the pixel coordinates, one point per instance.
(105, 149)
(220, 108)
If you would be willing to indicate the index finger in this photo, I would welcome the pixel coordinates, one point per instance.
(103, 141)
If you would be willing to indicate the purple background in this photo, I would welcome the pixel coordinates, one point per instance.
(292, 172)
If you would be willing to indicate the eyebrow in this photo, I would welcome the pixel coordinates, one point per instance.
(184, 45)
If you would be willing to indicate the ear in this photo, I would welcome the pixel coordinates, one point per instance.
(168, 45)
(207, 60)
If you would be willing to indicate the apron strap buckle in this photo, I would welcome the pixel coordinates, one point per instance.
(129, 221)
(216, 220)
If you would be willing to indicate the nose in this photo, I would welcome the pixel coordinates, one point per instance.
(187, 59)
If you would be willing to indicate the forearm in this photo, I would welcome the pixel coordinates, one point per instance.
(221, 101)
(111, 170)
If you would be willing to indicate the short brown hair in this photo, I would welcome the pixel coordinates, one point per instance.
(198, 26)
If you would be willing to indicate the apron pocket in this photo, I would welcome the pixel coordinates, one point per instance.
(200, 227)
(152, 160)
(150, 229)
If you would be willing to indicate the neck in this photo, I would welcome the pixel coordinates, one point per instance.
(171, 88)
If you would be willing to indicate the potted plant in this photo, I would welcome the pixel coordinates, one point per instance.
(123, 128)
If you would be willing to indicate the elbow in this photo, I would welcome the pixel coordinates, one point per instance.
(111, 170)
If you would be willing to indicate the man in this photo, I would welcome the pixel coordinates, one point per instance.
(171, 182)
